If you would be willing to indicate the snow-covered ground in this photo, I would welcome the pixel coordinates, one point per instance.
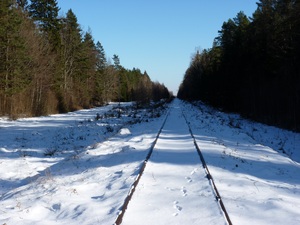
(74, 169)
(71, 168)
(174, 188)
(259, 184)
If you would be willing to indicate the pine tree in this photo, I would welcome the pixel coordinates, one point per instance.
(89, 57)
(70, 54)
(189, 88)
(101, 58)
(45, 13)
(13, 53)
(116, 60)
(101, 65)
(253, 67)
(117, 67)
(88, 70)
(71, 49)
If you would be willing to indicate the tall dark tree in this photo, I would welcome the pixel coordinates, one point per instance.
(99, 79)
(116, 60)
(70, 58)
(45, 13)
(117, 66)
(14, 59)
(189, 88)
(71, 48)
(47, 65)
(87, 74)
(253, 67)
(101, 58)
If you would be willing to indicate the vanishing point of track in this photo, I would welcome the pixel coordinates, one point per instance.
(209, 176)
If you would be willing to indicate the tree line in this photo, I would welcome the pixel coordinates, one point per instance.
(49, 65)
(253, 66)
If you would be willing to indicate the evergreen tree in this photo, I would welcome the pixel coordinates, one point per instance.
(13, 53)
(71, 48)
(99, 79)
(117, 67)
(253, 66)
(189, 87)
(88, 70)
(70, 61)
(101, 58)
(47, 66)
(45, 13)
(116, 60)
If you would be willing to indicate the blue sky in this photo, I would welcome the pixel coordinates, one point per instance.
(157, 36)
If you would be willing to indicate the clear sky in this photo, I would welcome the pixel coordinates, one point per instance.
(157, 36)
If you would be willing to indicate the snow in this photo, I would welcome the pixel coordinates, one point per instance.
(258, 184)
(171, 182)
(78, 168)
(125, 131)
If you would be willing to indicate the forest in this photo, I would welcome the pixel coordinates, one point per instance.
(48, 64)
(253, 66)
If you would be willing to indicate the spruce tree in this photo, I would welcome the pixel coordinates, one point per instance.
(69, 58)
(71, 47)
(89, 54)
(101, 58)
(116, 60)
(14, 60)
(45, 13)
(88, 71)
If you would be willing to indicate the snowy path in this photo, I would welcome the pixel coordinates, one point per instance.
(174, 188)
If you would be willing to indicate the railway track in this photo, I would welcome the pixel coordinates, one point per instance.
(174, 156)
(209, 175)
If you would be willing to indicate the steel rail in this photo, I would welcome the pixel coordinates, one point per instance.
(208, 175)
(124, 207)
(119, 219)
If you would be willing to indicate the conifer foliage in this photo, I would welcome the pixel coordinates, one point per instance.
(253, 67)
(49, 65)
